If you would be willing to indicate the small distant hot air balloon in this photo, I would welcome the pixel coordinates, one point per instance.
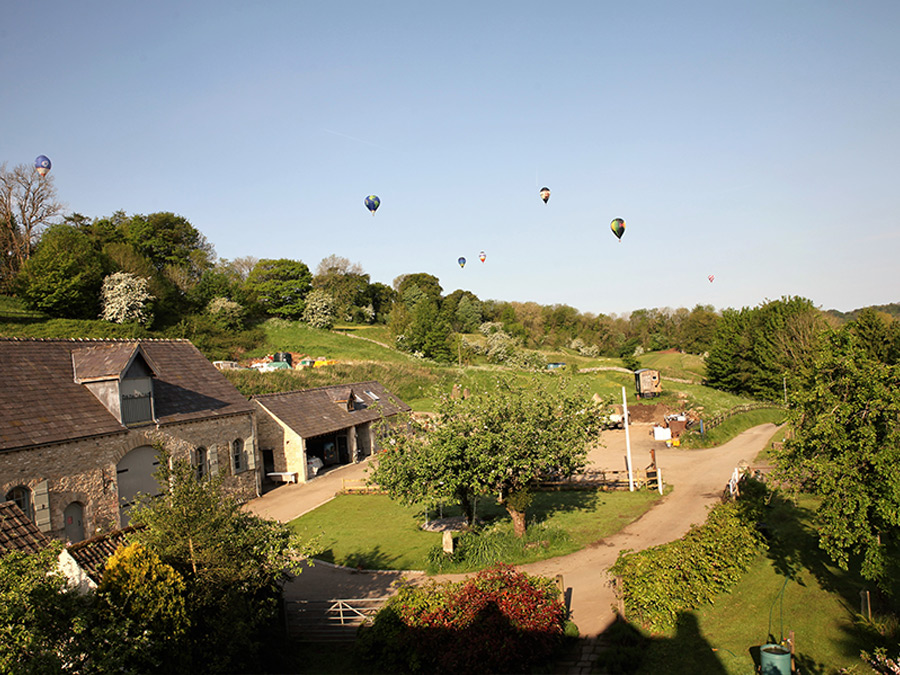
(482, 256)
(462, 262)
(618, 227)
(545, 194)
(372, 203)
(42, 164)
(711, 277)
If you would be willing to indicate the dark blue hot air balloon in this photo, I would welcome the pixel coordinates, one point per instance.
(372, 203)
(42, 164)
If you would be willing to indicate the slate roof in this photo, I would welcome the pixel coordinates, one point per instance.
(104, 361)
(41, 403)
(92, 554)
(17, 532)
(315, 412)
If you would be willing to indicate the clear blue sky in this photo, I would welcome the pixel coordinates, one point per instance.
(756, 141)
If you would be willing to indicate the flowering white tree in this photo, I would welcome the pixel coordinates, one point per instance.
(125, 297)
(320, 310)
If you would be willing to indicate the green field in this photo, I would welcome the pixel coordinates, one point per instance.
(374, 532)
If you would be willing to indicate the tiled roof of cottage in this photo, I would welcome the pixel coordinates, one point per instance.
(41, 403)
(103, 361)
(314, 412)
(18, 532)
(92, 554)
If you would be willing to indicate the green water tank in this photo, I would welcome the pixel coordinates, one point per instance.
(775, 660)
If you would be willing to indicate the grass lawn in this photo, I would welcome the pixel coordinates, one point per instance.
(376, 533)
(792, 587)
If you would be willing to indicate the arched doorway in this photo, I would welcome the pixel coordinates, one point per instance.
(134, 474)
(74, 518)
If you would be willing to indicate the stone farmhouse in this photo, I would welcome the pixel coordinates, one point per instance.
(304, 432)
(81, 423)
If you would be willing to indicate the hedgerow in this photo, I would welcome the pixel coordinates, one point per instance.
(498, 621)
(659, 583)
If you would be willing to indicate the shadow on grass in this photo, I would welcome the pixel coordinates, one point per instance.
(794, 548)
(372, 559)
(629, 650)
(544, 506)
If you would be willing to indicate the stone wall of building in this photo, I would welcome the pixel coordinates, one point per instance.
(84, 470)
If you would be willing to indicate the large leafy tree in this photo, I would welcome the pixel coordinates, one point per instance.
(42, 621)
(845, 448)
(64, 276)
(345, 282)
(233, 564)
(755, 350)
(499, 442)
(280, 286)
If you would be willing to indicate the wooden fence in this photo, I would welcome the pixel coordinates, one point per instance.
(713, 422)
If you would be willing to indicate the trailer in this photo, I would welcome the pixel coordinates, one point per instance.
(647, 383)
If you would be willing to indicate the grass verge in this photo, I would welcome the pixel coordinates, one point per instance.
(374, 532)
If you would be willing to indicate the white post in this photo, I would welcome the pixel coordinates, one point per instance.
(627, 442)
(659, 478)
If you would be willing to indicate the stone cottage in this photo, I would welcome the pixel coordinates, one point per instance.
(302, 432)
(81, 422)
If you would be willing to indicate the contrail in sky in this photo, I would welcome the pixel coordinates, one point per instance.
(358, 140)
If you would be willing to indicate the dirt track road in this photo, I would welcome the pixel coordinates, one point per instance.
(698, 478)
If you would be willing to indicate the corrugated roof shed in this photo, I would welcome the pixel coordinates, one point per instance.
(315, 412)
(17, 532)
(40, 401)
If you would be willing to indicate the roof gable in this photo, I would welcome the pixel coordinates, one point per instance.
(108, 361)
(314, 412)
(17, 532)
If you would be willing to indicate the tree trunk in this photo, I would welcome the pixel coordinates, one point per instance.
(518, 520)
(466, 505)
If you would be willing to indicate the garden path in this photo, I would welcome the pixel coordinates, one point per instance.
(697, 476)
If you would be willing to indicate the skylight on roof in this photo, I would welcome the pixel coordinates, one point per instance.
(372, 395)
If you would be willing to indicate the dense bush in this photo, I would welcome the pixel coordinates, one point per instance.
(661, 582)
(500, 620)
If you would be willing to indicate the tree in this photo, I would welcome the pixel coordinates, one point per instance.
(142, 620)
(845, 448)
(498, 442)
(168, 240)
(320, 310)
(426, 283)
(42, 621)
(344, 281)
(64, 276)
(280, 286)
(124, 298)
(233, 563)
(27, 204)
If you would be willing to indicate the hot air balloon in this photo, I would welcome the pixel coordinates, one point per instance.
(42, 164)
(545, 194)
(711, 277)
(482, 256)
(618, 227)
(462, 262)
(372, 203)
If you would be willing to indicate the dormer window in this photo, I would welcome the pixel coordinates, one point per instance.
(120, 377)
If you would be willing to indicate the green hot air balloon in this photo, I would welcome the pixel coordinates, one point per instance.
(618, 227)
